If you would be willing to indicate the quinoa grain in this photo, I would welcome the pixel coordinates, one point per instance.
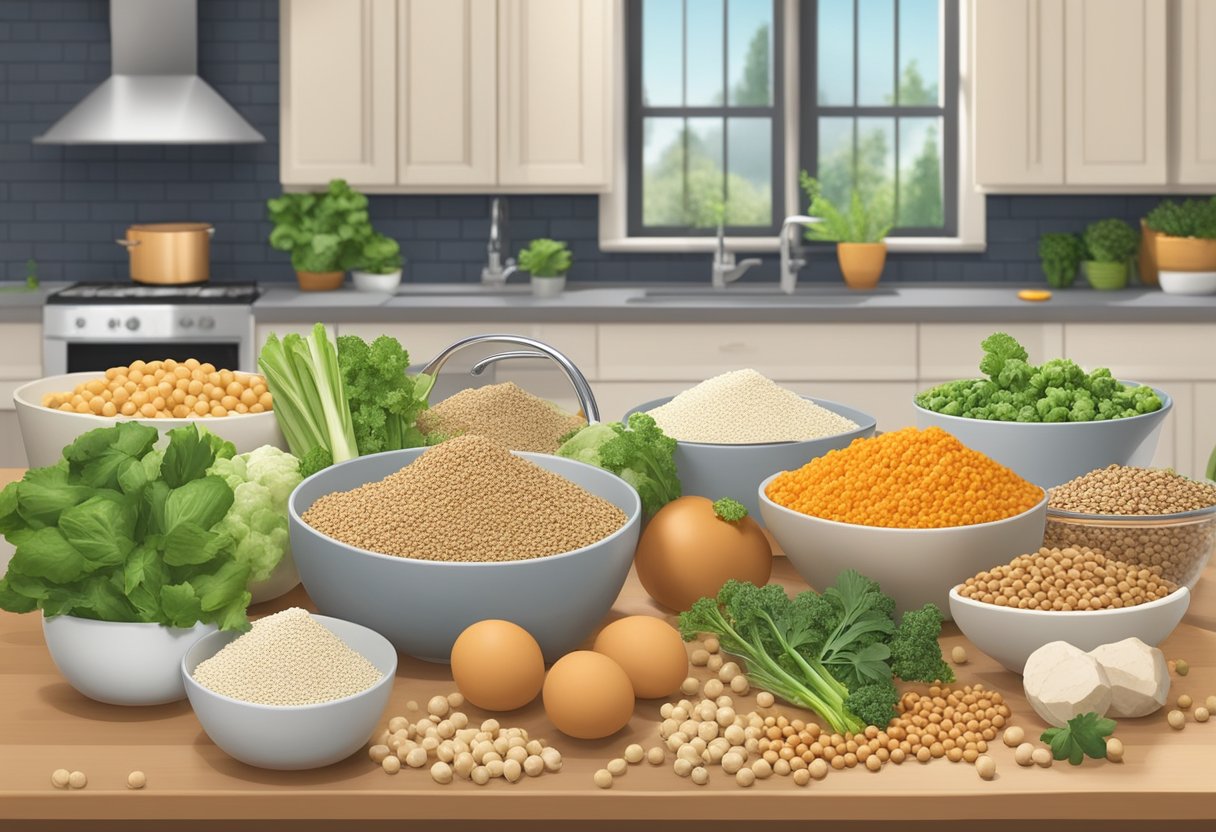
(503, 413)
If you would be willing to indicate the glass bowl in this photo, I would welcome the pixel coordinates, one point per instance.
(1180, 544)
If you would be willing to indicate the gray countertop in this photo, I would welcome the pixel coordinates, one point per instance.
(667, 303)
(21, 305)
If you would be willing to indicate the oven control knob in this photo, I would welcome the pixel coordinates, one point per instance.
(114, 323)
(206, 323)
(186, 323)
(132, 324)
(80, 322)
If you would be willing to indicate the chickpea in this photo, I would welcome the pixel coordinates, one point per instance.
(1202, 714)
(1114, 750)
(603, 778)
(195, 387)
(985, 767)
(229, 402)
(266, 401)
(1185, 701)
(60, 778)
(77, 780)
(218, 410)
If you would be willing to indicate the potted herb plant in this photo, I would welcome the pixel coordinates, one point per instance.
(1184, 245)
(547, 261)
(858, 233)
(1060, 256)
(1109, 248)
(325, 233)
(380, 263)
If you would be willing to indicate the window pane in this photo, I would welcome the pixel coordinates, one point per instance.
(920, 172)
(919, 50)
(749, 186)
(835, 53)
(663, 171)
(750, 52)
(875, 179)
(876, 52)
(704, 200)
(835, 163)
(662, 53)
(704, 59)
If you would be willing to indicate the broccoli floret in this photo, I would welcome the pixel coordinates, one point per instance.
(732, 511)
(915, 653)
(318, 459)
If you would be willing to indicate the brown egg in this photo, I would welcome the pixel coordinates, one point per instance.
(497, 665)
(649, 650)
(588, 696)
(687, 552)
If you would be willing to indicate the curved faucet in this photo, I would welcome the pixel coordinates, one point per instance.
(494, 273)
(790, 264)
(725, 269)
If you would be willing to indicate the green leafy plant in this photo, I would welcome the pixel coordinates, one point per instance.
(1190, 218)
(380, 255)
(384, 401)
(545, 258)
(1060, 255)
(731, 511)
(835, 653)
(639, 453)
(31, 279)
(1110, 241)
(327, 231)
(121, 530)
(1084, 736)
(860, 224)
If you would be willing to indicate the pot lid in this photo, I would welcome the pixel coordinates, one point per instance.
(170, 227)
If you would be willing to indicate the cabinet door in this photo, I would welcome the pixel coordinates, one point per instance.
(555, 92)
(1196, 93)
(446, 111)
(338, 92)
(1019, 92)
(1115, 67)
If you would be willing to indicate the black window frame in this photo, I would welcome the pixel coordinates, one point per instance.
(637, 112)
(810, 112)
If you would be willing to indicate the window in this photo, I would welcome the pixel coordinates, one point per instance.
(705, 131)
(879, 107)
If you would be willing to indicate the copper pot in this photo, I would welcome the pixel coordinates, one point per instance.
(169, 253)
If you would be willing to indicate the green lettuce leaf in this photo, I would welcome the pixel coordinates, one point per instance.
(202, 501)
(189, 544)
(101, 528)
(47, 554)
(181, 605)
(96, 457)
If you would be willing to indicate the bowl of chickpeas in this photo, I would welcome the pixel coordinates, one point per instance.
(167, 394)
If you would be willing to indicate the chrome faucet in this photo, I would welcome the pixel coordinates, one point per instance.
(725, 269)
(790, 264)
(495, 273)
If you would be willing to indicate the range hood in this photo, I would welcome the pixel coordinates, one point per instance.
(154, 94)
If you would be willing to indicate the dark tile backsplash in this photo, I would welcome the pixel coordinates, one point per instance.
(64, 206)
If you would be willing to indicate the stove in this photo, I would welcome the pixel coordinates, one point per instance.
(95, 326)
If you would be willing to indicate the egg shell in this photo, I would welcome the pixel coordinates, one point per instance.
(687, 552)
(587, 695)
(497, 665)
(649, 650)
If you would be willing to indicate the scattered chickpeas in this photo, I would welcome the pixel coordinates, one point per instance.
(762, 768)
(1210, 703)
(455, 699)
(1185, 701)
(745, 777)
(700, 775)
(1023, 755)
(441, 773)
(603, 778)
(1013, 736)
(682, 767)
(818, 768)
(714, 688)
(699, 658)
(378, 753)
(985, 767)
(690, 686)
(714, 664)
(391, 764)
(77, 780)
(958, 654)
(1181, 667)
(802, 776)
(438, 706)
(634, 754)
(740, 685)
(712, 645)
(1041, 757)
(60, 778)
(728, 671)
(655, 756)
(160, 389)
(764, 699)
(616, 767)
(1114, 749)
(1202, 714)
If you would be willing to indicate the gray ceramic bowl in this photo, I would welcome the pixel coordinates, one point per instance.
(1048, 454)
(421, 606)
(294, 737)
(735, 471)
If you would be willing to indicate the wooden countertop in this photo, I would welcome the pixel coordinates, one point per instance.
(45, 724)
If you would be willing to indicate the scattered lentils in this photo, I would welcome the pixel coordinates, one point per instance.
(503, 413)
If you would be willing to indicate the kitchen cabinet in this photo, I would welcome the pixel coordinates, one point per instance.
(1196, 92)
(448, 96)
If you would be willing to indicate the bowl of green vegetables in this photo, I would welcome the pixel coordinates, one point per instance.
(1050, 422)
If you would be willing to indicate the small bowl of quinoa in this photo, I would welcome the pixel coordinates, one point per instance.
(735, 429)
(297, 691)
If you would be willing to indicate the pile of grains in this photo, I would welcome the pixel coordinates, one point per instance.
(742, 408)
(1124, 490)
(907, 479)
(444, 742)
(287, 659)
(467, 499)
(1066, 580)
(504, 413)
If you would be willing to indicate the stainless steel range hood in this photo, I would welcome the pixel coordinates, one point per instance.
(154, 94)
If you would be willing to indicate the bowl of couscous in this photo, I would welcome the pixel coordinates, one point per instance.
(914, 510)
(53, 411)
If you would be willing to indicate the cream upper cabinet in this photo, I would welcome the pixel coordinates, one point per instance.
(1197, 93)
(1115, 70)
(1019, 67)
(446, 107)
(554, 87)
(338, 73)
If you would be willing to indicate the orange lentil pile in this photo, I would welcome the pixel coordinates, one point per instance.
(907, 479)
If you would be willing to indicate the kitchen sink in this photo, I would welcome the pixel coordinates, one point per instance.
(809, 296)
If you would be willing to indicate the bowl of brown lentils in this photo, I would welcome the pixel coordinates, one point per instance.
(1154, 518)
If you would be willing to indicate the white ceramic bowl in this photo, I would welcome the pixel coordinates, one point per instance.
(46, 432)
(119, 663)
(735, 471)
(293, 737)
(1050, 453)
(423, 605)
(1010, 635)
(1187, 283)
(372, 282)
(913, 566)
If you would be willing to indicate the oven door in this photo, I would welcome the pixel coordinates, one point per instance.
(83, 357)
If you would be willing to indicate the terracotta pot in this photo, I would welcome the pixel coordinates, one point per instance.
(320, 281)
(1185, 254)
(1146, 265)
(861, 263)
(169, 253)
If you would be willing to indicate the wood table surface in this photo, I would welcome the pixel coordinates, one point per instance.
(45, 725)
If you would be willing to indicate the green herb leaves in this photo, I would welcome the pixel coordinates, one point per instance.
(1084, 736)
(640, 454)
(732, 511)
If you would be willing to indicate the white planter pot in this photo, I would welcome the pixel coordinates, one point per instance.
(548, 287)
(1187, 283)
(372, 282)
(121, 663)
